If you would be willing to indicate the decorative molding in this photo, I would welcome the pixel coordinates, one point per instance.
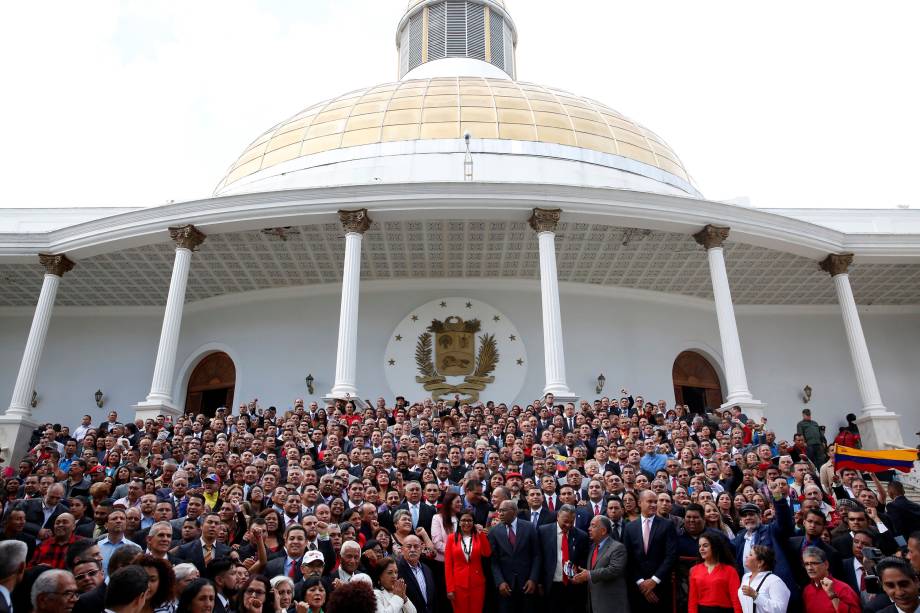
(355, 220)
(56, 263)
(712, 236)
(836, 263)
(187, 237)
(544, 220)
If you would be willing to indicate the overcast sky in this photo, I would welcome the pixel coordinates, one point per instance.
(790, 104)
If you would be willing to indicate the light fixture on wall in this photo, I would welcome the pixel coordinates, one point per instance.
(309, 381)
(98, 396)
(601, 380)
(34, 401)
(806, 394)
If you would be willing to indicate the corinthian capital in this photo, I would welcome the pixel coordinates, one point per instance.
(712, 236)
(545, 220)
(55, 263)
(836, 263)
(355, 220)
(187, 237)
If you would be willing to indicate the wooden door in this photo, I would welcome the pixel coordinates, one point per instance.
(216, 372)
(693, 370)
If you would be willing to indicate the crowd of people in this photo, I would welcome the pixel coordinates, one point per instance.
(449, 506)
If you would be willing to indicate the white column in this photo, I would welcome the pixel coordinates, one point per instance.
(21, 403)
(356, 223)
(160, 400)
(711, 237)
(544, 222)
(16, 423)
(878, 426)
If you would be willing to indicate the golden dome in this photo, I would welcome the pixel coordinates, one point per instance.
(446, 108)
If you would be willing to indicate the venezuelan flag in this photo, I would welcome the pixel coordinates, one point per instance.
(874, 461)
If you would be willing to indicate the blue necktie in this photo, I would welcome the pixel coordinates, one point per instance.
(414, 509)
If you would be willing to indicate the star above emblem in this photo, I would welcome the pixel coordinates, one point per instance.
(469, 305)
(443, 304)
(520, 361)
(414, 318)
(391, 362)
(496, 318)
(512, 338)
(399, 337)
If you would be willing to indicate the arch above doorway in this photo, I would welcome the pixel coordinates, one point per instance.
(211, 384)
(696, 382)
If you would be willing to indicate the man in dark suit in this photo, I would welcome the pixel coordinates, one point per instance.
(536, 512)
(651, 545)
(858, 519)
(222, 572)
(515, 560)
(41, 513)
(93, 601)
(814, 523)
(418, 577)
(596, 505)
(904, 514)
(287, 562)
(421, 513)
(12, 567)
(201, 552)
(562, 542)
(852, 572)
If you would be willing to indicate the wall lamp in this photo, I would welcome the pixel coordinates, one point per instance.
(98, 396)
(601, 381)
(309, 381)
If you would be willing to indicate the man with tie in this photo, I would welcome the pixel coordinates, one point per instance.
(536, 513)
(421, 513)
(563, 547)
(12, 566)
(202, 551)
(292, 510)
(615, 515)
(605, 575)
(288, 562)
(515, 560)
(548, 485)
(596, 505)
(651, 546)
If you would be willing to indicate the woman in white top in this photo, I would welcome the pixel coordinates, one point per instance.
(761, 589)
(391, 590)
(444, 523)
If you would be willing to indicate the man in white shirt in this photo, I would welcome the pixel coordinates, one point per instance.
(85, 425)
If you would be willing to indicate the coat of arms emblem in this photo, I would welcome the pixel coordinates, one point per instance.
(448, 349)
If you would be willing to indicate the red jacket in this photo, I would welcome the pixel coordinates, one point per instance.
(460, 574)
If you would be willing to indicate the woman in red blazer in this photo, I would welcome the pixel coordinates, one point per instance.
(463, 553)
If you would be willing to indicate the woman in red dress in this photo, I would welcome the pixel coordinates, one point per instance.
(463, 553)
(714, 582)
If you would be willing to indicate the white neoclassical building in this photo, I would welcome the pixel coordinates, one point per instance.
(458, 231)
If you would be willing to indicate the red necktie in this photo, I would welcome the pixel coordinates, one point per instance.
(511, 538)
(552, 507)
(594, 557)
(565, 556)
(292, 569)
(862, 581)
(597, 509)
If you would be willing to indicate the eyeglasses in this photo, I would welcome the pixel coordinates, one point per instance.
(89, 573)
(68, 594)
(252, 592)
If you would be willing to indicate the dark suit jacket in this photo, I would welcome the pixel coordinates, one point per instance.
(848, 574)
(519, 564)
(546, 516)
(413, 590)
(904, 515)
(661, 555)
(35, 516)
(579, 544)
(275, 567)
(92, 601)
(191, 552)
(885, 542)
(584, 515)
(426, 513)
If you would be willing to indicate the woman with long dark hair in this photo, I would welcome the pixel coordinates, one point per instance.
(714, 582)
(257, 596)
(464, 577)
(198, 597)
(162, 584)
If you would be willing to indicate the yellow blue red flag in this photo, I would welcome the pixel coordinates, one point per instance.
(874, 461)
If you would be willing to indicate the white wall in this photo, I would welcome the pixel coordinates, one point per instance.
(276, 342)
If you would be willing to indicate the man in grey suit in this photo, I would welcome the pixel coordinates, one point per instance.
(606, 570)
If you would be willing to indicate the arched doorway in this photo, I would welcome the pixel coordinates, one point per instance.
(211, 385)
(696, 382)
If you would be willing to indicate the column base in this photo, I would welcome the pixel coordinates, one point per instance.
(15, 432)
(332, 396)
(562, 395)
(880, 430)
(752, 409)
(151, 410)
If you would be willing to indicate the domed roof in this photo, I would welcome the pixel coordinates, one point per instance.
(446, 108)
(414, 3)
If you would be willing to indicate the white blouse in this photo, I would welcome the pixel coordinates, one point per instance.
(772, 596)
(391, 603)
